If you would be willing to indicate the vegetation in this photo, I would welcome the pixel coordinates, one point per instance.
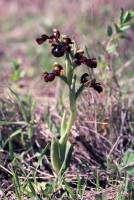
(68, 135)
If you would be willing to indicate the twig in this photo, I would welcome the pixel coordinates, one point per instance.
(114, 146)
(6, 170)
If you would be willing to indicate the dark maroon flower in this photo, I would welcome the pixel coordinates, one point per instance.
(66, 47)
(51, 38)
(42, 39)
(77, 62)
(57, 50)
(79, 54)
(96, 86)
(48, 77)
(79, 58)
(92, 83)
(84, 78)
(92, 63)
(67, 39)
(60, 45)
(58, 69)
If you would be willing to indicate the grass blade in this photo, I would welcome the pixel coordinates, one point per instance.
(40, 160)
(70, 191)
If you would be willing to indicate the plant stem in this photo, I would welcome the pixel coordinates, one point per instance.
(67, 65)
(70, 123)
(65, 137)
(68, 68)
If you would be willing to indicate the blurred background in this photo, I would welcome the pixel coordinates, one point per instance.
(85, 21)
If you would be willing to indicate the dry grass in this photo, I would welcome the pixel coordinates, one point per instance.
(103, 130)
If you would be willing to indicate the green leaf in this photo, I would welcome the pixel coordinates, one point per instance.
(78, 185)
(70, 191)
(128, 157)
(128, 162)
(117, 28)
(13, 135)
(125, 27)
(17, 185)
(128, 16)
(83, 189)
(116, 38)
(121, 15)
(18, 123)
(79, 91)
(20, 166)
(41, 156)
(63, 146)
(67, 160)
(11, 149)
(55, 155)
(39, 161)
(69, 156)
(31, 188)
(109, 31)
(23, 111)
(16, 180)
(63, 124)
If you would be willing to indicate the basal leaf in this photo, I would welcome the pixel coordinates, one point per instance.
(55, 155)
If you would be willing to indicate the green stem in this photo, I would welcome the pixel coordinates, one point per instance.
(65, 137)
(67, 65)
(70, 122)
(68, 68)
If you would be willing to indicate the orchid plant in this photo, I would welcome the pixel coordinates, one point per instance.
(62, 45)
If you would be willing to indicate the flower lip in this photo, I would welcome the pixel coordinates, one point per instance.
(57, 50)
(77, 62)
(92, 63)
(95, 86)
(48, 77)
(91, 83)
(98, 87)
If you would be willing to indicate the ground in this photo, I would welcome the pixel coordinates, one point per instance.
(103, 128)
